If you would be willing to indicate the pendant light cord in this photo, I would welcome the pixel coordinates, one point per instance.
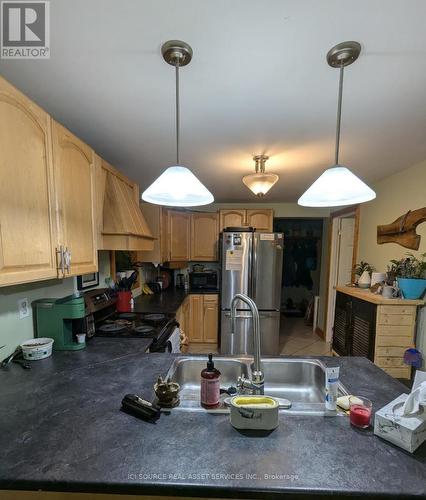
(177, 112)
(339, 115)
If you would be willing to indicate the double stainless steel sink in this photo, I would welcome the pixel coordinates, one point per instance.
(301, 381)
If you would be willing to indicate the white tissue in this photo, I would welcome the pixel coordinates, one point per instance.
(417, 396)
(175, 341)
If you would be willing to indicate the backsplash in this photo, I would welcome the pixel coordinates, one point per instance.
(13, 330)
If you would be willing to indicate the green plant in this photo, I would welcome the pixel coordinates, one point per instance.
(363, 266)
(408, 267)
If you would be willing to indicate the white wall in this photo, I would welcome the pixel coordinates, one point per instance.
(396, 194)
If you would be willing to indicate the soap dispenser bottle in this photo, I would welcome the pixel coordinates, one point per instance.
(210, 385)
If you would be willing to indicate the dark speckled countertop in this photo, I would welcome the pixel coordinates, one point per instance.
(62, 429)
(167, 302)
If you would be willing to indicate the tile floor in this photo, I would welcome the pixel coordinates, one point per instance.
(296, 339)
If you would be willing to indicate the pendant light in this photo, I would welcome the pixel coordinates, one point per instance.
(260, 182)
(338, 186)
(177, 186)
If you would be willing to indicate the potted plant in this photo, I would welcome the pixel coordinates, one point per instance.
(410, 273)
(363, 270)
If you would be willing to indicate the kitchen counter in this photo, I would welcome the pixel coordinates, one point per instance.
(62, 430)
(167, 302)
(365, 294)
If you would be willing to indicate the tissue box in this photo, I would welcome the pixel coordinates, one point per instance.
(406, 432)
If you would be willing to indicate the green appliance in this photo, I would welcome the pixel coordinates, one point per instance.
(61, 320)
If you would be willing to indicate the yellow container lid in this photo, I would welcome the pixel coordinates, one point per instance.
(254, 402)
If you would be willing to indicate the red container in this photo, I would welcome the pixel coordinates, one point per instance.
(123, 302)
(360, 416)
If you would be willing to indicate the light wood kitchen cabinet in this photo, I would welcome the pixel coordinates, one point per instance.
(195, 332)
(180, 235)
(204, 236)
(232, 218)
(260, 219)
(178, 240)
(27, 201)
(210, 318)
(75, 190)
(203, 313)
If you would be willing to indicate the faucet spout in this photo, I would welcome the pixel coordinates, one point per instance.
(257, 382)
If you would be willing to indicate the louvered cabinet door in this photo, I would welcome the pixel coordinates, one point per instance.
(342, 324)
(363, 329)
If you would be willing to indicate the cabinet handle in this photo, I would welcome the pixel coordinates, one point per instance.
(60, 260)
(67, 259)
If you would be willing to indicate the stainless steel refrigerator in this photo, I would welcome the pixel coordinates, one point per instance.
(252, 265)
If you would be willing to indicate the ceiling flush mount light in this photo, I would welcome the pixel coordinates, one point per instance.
(338, 186)
(260, 182)
(177, 186)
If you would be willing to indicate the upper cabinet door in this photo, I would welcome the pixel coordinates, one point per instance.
(204, 236)
(178, 238)
(27, 215)
(261, 220)
(232, 218)
(74, 177)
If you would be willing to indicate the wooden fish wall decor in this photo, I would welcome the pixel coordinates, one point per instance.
(403, 230)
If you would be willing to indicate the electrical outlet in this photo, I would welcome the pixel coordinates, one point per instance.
(23, 308)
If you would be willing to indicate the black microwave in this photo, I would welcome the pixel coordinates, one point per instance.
(206, 280)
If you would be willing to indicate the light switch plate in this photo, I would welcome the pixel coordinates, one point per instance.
(23, 308)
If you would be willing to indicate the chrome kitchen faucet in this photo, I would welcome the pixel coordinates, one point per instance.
(256, 384)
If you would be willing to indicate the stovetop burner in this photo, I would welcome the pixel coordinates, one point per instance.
(129, 316)
(154, 318)
(112, 328)
(144, 329)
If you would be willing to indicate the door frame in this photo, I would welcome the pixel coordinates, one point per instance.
(333, 253)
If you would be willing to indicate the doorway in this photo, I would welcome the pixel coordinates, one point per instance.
(343, 255)
(300, 286)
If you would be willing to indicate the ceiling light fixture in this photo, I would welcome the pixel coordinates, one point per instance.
(177, 186)
(338, 186)
(260, 182)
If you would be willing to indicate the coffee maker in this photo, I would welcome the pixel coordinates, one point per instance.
(61, 319)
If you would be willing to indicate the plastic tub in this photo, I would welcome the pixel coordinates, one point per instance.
(37, 348)
(254, 412)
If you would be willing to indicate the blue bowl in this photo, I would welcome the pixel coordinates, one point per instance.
(412, 288)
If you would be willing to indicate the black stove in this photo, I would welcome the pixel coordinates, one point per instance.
(109, 323)
(134, 325)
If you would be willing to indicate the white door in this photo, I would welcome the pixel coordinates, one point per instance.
(346, 250)
(342, 250)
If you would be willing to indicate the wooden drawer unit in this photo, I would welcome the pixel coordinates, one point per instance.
(395, 319)
(386, 351)
(381, 332)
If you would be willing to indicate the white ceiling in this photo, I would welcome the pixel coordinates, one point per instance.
(258, 83)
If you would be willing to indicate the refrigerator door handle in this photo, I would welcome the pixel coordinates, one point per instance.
(238, 316)
(253, 269)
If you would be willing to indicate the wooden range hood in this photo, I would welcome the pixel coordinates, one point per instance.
(123, 225)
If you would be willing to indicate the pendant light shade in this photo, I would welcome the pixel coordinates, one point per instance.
(260, 182)
(177, 186)
(338, 186)
(335, 187)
